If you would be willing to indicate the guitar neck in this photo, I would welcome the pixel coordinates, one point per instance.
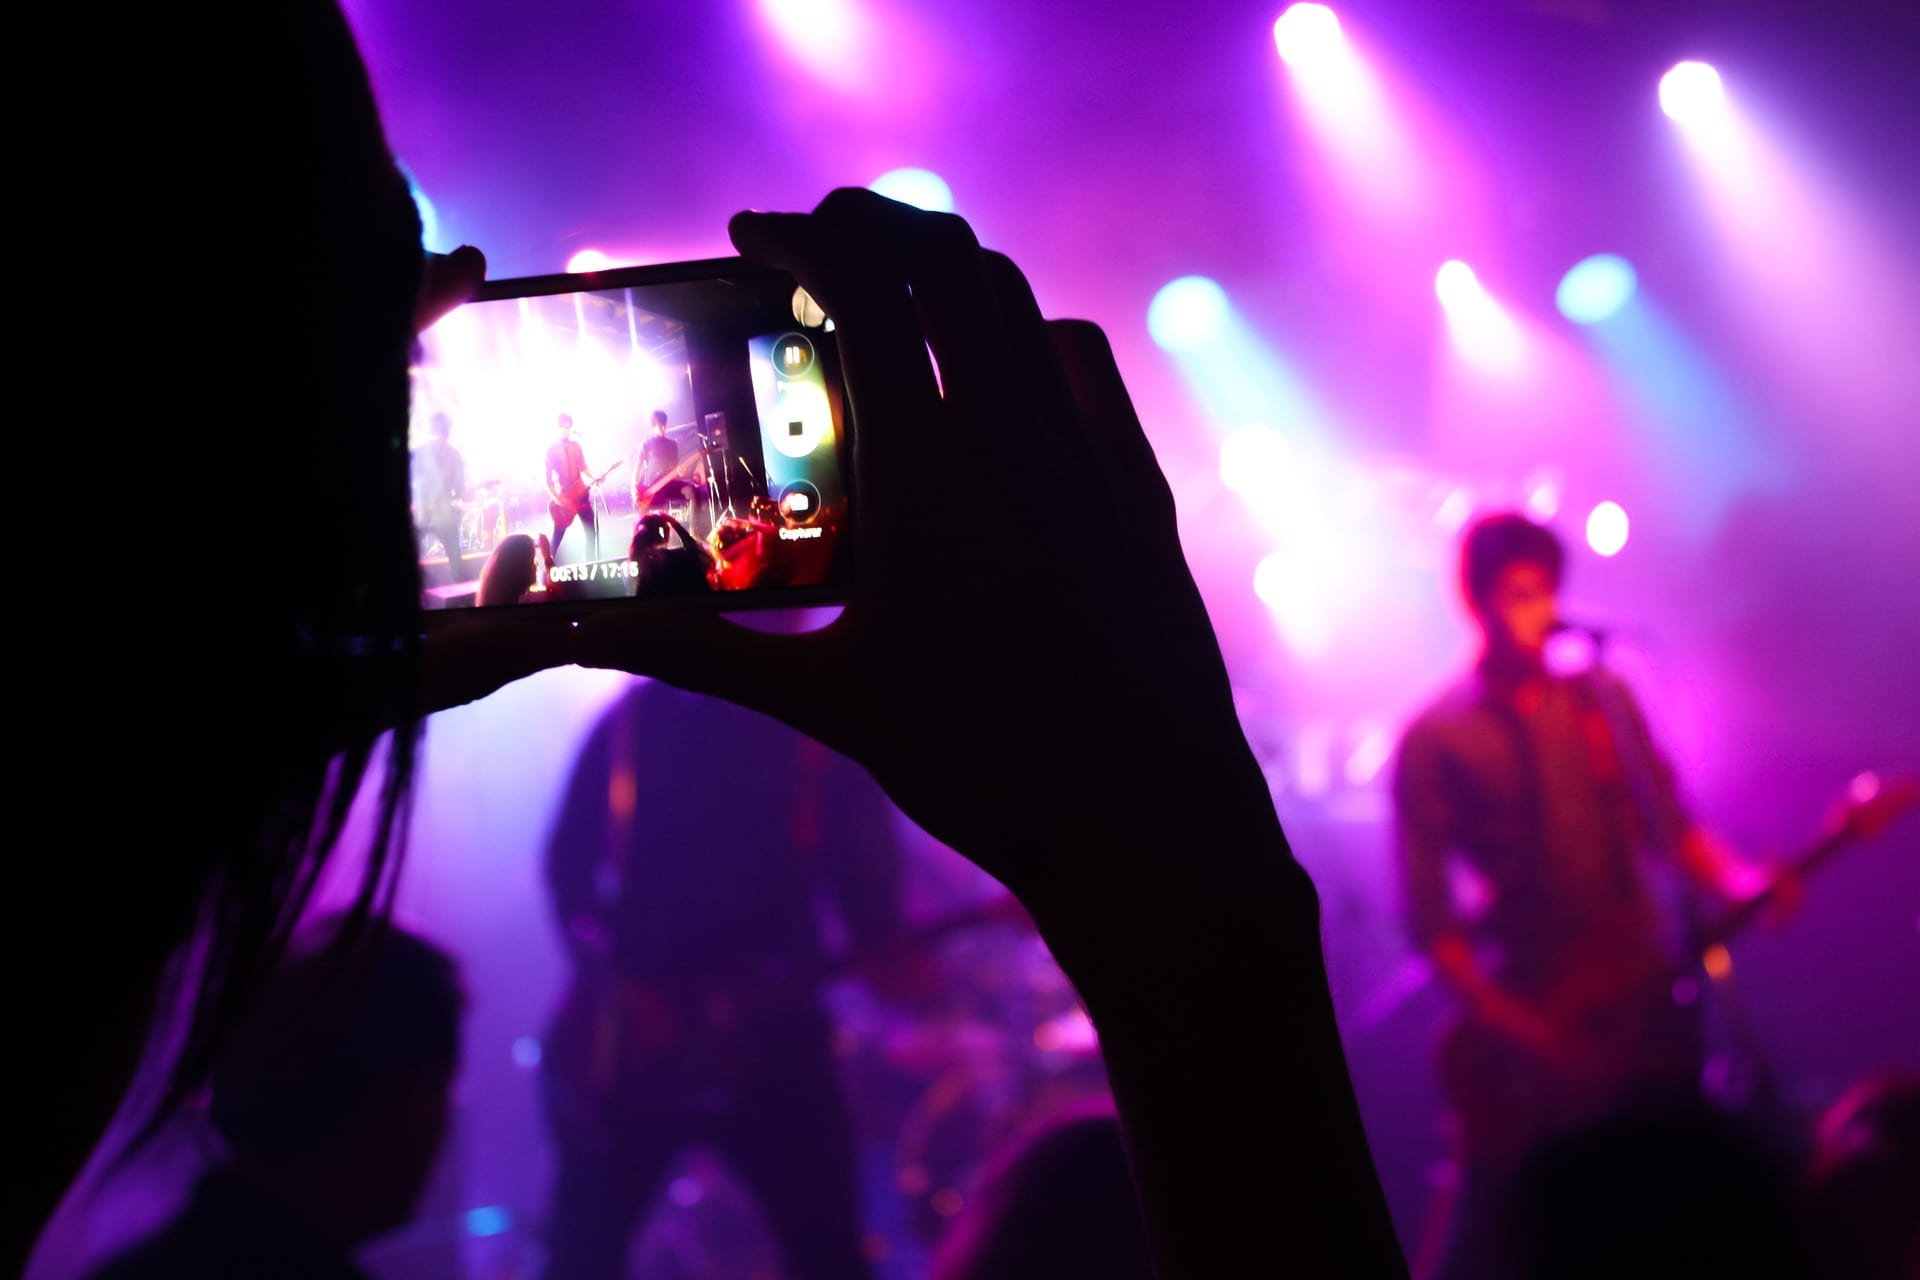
(1799, 867)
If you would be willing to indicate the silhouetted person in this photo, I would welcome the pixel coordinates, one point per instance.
(695, 845)
(1670, 1193)
(511, 570)
(1059, 1202)
(667, 559)
(332, 1107)
(1550, 788)
(1862, 1197)
(439, 485)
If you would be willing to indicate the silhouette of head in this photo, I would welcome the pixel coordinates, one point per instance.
(337, 1092)
(509, 572)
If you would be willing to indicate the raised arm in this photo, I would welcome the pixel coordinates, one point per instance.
(1072, 733)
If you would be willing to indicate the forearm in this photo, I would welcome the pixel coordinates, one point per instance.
(1215, 1019)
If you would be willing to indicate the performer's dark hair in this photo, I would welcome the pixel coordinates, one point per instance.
(660, 416)
(1495, 541)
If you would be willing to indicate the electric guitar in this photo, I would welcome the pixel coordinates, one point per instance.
(576, 492)
(1621, 1026)
(662, 1041)
(644, 494)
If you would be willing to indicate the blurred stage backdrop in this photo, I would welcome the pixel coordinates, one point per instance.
(1368, 270)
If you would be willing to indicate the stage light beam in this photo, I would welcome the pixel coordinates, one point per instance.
(1607, 529)
(1596, 288)
(1187, 313)
(1693, 97)
(921, 188)
(588, 261)
(1482, 330)
(1308, 35)
(1254, 460)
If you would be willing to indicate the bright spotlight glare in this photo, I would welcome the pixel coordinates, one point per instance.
(587, 261)
(1456, 286)
(1187, 313)
(1307, 34)
(1607, 529)
(921, 188)
(1596, 288)
(1482, 329)
(1691, 93)
(1254, 460)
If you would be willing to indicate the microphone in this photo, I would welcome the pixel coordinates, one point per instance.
(1563, 626)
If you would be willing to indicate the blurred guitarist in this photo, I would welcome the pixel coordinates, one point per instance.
(1551, 792)
(696, 853)
(570, 489)
(664, 482)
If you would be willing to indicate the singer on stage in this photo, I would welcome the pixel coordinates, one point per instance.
(1551, 792)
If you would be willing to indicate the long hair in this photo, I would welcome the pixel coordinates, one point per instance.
(300, 671)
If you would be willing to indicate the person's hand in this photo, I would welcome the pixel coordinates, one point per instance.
(1030, 674)
(446, 281)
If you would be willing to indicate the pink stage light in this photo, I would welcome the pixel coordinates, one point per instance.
(1482, 330)
(831, 38)
(1607, 529)
(587, 261)
(1351, 113)
(1308, 35)
(1692, 96)
(1254, 461)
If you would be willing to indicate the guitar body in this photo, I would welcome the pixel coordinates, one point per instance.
(1507, 1096)
(563, 512)
(1626, 1039)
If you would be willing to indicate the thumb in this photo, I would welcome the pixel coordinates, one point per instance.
(793, 678)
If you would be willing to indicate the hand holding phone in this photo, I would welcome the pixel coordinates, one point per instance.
(1011, 663)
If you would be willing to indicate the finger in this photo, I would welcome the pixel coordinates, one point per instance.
(1106, 410)
(792, 678)
(941, 261)
(1035, 356)
(889, 379)
(448, 280)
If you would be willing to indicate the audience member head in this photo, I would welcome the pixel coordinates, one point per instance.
(510, 571)
(669, 561)
(254, 709)
(1059, 1202)
(1862, 1196)
(1678, 1191)
(1510, 572)
(334, 1098)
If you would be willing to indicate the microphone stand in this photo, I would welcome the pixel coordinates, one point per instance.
(1739, 1077)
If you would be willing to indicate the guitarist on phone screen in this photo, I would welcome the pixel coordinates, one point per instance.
(665, 481)
(570, 489)
(1550, 790)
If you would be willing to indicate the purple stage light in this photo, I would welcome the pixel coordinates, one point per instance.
(1254, 460)
(1691, 94)
(1188, 313)
(1308, 34)
(1482, 330)
(921, 188)
(1607, 529)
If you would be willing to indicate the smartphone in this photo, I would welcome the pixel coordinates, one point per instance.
(664, 432)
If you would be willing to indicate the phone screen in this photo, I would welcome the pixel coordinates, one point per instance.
(673, 431)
